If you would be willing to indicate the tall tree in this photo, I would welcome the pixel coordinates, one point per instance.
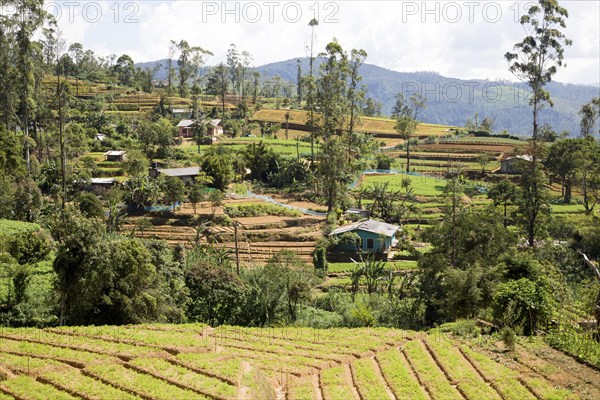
(534, 61)
(30, 16)
(563, 163)
(405, 113)
(356, 93)
(503, 193)
(217, 85)
(234, 66)
(533, 207)
(299, 82)
(588, 173)
(246, 61)
(332, 93)
(537, 57)
(191, 58)
(170, 68)
(310, 85)
(590, 113)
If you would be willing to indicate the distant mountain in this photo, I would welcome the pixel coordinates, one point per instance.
(452, 101)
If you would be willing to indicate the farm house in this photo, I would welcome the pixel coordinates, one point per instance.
(514, 165)
(213, 128)
(187, 175)
(115, 155)
(375, 236)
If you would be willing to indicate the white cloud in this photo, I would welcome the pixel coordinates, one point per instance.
(398, 35)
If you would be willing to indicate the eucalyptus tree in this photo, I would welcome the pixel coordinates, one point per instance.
(170, 68)
(537, 57)
(503, 194)
(191, 58)
(356, 93)
(233, 66)
(309, 83)
(29, 17)
(534, 61)
(406, 113)
(218, 84)
(590, 112)
(332, 91)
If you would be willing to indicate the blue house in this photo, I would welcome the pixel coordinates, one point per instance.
(375, 236)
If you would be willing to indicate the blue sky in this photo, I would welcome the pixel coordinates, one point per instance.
(462, 39)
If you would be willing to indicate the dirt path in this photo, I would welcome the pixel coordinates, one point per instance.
(316, 382)
(244, 391)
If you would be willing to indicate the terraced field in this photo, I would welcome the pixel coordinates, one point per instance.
(199, 362)
(379, 127)
(259, 238)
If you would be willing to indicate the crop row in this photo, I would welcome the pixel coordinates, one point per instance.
(459, 370)
(368, 383)
(301, 388)
(431, 376)
(396, 371)
(142, 384)
(335, 385)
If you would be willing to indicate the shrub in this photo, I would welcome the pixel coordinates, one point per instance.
(384, 162)
(259, 210)
(320, 260)
(509, 337)
(466, 328)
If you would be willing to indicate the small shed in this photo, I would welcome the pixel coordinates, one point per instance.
(515, 165)
(100, 185)
(214, 128)
(115, 155)
(357, 213)
(187, 175)
(185, 127)
(375, 236)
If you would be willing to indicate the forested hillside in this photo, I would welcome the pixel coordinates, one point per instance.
(453, 101)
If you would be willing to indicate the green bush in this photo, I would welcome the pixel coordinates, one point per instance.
(509, 337)
(320, 260)
(260, 210)
(466, 328)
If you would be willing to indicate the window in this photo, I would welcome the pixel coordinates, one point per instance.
(370, 243)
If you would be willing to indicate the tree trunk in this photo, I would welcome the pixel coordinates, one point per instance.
(408, 155)
(568, 191)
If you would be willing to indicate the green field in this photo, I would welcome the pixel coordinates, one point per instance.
(421, 185)
(279, 146)
(195, 361)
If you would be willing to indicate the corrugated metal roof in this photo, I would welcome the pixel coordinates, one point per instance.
(523, 157)
(184, 123)
(103, 181)
(115, 153)
(189, 171)
(370, 225)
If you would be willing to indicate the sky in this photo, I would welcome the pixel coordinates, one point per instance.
(459, 39)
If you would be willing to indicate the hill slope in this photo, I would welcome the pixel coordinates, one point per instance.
(199, 362)
(452, 101)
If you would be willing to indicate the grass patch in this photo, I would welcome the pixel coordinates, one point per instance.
(260, 210)
(421, 185)
(10, 228)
